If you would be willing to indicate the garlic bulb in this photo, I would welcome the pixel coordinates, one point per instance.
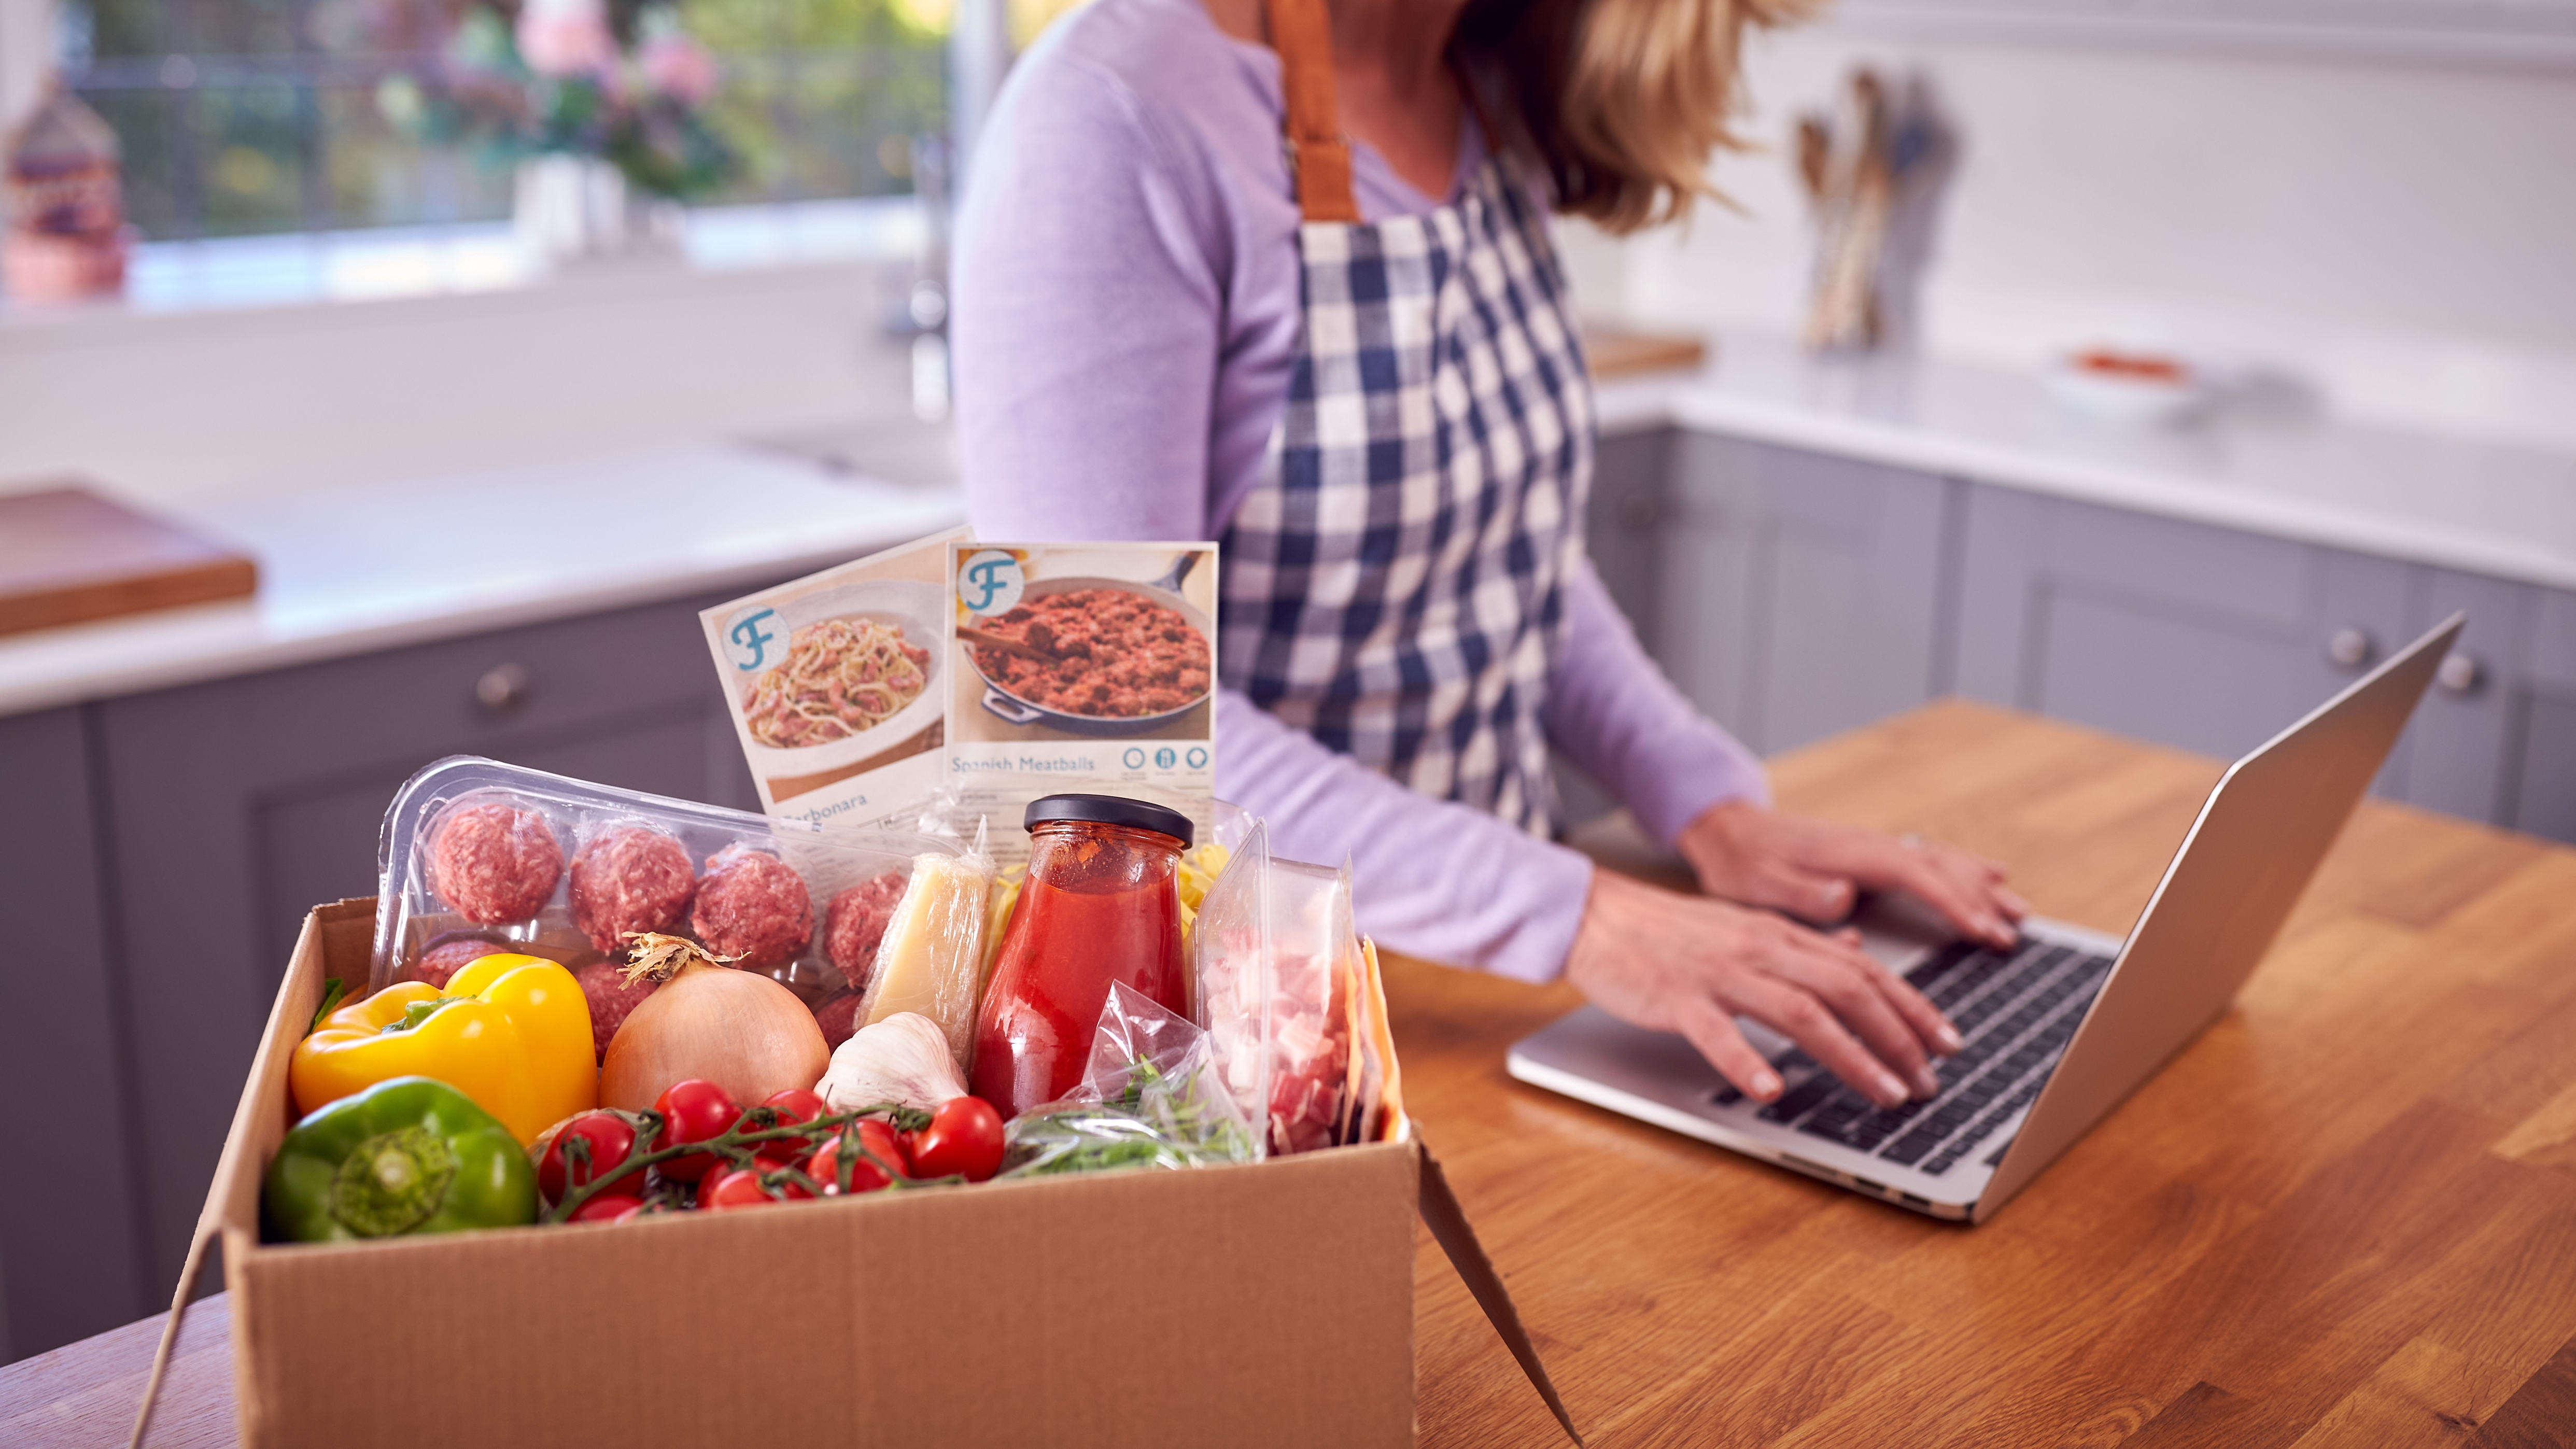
(902, 1059)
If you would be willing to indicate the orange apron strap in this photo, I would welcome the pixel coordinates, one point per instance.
(1319, 156)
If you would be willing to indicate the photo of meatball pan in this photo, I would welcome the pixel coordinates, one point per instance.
(1118, 655)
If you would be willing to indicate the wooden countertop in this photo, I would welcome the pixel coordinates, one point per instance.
(2346, 1215)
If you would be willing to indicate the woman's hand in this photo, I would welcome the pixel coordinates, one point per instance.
(1685, 964)
(1812, 869)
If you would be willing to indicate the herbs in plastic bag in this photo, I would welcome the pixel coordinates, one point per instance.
(1152, 1097)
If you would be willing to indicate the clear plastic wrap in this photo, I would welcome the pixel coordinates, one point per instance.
(479, 856)
(931, 960)
(1314, 961)
(1151, 1097)
(1232, 955)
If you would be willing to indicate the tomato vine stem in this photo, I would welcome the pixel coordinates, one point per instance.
(733, 1144)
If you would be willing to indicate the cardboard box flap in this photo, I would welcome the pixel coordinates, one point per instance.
(258, 1124)
(1457, 1237)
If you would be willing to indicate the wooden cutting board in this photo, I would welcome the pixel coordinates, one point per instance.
(1617, 352)
(69, 555)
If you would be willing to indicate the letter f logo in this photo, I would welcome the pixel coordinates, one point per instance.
(990, 582)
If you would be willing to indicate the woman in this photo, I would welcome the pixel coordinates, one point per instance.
(1280, 275)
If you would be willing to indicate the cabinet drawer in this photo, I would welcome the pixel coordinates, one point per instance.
(471, 695)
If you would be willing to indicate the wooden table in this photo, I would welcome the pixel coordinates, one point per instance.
(2346, 1216)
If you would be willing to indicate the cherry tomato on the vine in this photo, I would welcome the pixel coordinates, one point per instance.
(606, 1137)
(608, 1207)
(964, 1137)
(795, 1104)
(694, 1111)
(741, 1187)
(879, 1142)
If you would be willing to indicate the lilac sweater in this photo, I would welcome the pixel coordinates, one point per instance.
(1126, 311)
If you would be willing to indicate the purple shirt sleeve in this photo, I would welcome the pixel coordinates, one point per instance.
(1619, 720)
(1126, 310)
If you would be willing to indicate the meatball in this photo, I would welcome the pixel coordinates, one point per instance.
(442, 961)
(855, 922)
(632, 878)
(494, 861)
(603, 984)
(839, 1019)
(753, 906)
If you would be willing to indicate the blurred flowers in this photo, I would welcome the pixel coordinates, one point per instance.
(565, 38)
(674, 64)
(616, 80)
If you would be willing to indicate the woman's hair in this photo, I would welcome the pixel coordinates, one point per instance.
(1623, 101)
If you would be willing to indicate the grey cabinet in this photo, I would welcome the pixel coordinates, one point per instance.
(69, 1251)
(233, 806)
(2214, 640)
(2199, 637)
(1632, 485)
(1797, 595)
(1792, 595)
(2543, 782)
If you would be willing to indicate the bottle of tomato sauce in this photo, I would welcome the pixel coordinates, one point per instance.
(1102, 903)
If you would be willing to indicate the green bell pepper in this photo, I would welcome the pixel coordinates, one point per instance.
(407, 1155)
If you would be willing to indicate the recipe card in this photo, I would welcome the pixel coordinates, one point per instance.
(836, 686)
(1085, 667)
(948, 680)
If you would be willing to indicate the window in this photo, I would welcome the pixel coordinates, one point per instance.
(244, 117)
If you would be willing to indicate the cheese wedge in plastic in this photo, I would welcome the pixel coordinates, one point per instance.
(931, 960)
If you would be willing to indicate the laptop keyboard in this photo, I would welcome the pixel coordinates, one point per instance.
(2016, 1009)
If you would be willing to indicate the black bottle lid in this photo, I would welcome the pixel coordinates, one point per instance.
(1111, 810)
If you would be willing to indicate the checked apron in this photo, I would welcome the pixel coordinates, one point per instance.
(1394, 583)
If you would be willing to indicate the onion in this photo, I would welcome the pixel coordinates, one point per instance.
(737, 1029)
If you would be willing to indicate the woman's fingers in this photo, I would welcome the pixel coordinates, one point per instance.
(1811, 895)
(1937, 1031)
(1953, 884)
(1684, 964)
(1855, 988)
(1707, 1026)
(1799, 1015)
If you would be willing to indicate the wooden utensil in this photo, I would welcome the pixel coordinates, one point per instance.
(1007, 646)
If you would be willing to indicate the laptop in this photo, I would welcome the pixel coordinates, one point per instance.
(2060, 1027)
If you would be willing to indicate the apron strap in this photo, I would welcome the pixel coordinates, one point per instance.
(1319, 155)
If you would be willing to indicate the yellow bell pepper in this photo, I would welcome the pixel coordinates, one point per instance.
(510, 1032)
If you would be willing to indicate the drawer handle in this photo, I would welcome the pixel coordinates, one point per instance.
(2461, 674)
(502, 689)
(2351, 648)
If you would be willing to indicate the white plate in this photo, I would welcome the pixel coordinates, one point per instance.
(904, 603)
(2125, 398)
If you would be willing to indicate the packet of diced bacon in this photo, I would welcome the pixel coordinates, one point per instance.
(1293, 1001)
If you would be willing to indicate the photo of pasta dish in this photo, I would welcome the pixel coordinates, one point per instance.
(1119, 655)
(840, 677)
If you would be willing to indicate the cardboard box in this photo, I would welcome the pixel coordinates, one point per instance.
(1264, 1304)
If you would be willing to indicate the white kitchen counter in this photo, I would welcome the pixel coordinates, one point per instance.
(378, 563)
(2485, 508)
